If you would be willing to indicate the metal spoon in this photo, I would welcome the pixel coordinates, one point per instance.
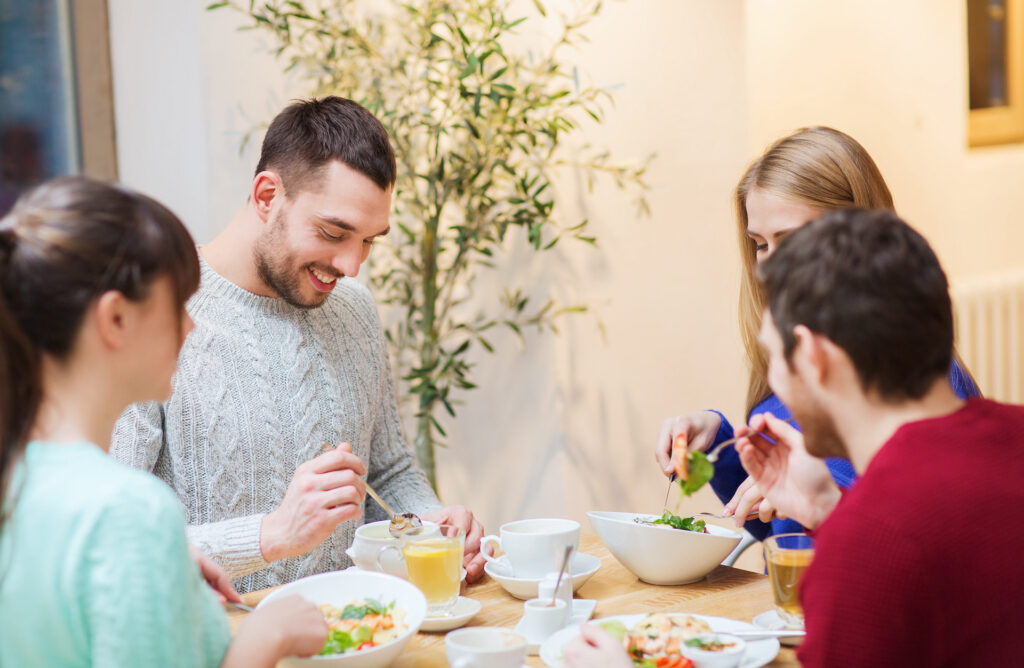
(401, 524)
(561, 571)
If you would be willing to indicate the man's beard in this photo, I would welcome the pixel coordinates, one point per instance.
(274, 266)
(821, 438)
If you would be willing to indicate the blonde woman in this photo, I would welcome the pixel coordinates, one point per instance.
(94, 565)
(798, 178)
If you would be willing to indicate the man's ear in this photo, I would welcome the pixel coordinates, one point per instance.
(266, 186)
(810, 355)
(112, 319)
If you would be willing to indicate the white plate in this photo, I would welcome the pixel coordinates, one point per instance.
(759, 652)
(581, 567)
(770, 621)
(461, 613)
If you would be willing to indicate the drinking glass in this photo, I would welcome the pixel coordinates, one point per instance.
(788, 555)
(434, 564)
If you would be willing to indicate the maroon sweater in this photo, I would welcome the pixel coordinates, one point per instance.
(922, 562)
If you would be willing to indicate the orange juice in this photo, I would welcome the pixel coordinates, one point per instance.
(435, 566)
(785, 569)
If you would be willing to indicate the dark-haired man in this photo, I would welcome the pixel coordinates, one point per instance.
(917, 564)
(286, 356)
(913, 565)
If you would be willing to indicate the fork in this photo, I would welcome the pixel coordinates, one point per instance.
(751, 515)
(713, 455)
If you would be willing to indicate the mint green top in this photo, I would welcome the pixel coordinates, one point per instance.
(95, 569)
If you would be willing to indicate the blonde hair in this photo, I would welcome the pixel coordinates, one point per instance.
(817, 166)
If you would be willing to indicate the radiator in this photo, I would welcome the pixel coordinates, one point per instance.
(989, 314)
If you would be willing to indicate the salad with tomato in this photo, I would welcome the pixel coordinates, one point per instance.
(654, 641)
(361, 625)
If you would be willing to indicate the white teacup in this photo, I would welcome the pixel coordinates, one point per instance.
(485, 647)
(371, 539)
(534, 547)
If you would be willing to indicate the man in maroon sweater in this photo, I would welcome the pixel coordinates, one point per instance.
(919, 563)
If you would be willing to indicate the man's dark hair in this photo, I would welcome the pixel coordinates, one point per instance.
(308, 134)
(872, 285)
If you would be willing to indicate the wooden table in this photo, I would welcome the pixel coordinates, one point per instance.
(725, 592)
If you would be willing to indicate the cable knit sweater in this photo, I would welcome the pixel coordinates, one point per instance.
(260, 387)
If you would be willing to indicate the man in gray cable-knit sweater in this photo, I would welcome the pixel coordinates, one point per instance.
(287, 355)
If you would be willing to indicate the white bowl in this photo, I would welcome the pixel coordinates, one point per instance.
(581, 567)
(340, 588)
(662, 555)
(370, 539)
(726, 658)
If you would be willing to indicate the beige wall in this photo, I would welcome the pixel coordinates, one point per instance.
(893, 75)
(566, 425)
(569, 425)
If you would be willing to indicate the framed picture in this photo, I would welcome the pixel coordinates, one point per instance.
(995, 46)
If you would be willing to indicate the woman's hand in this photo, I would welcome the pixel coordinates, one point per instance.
(594, 647)
(291, 626)
(698, 429)
(214, 575)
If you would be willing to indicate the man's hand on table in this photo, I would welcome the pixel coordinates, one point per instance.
(460, 516)
(595, 647)
(794, 483)
(324, 492)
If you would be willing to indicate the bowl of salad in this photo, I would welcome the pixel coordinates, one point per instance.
(371, 616)
(665, 550)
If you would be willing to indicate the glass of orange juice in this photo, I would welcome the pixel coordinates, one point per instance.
(788, 555)
(434, 564)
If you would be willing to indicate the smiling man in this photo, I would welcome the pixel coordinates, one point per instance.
(287, 355)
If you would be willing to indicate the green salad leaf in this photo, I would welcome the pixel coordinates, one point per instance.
(700, 471)
(683, 523)
(339, 641)
(370, 607)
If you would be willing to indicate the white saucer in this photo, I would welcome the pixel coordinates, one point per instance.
(581, 567)
(770, 621)
(461, 613)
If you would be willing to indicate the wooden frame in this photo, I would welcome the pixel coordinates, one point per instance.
(1005, 124)
(94, 88)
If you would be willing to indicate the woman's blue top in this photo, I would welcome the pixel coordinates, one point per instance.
(729, 472)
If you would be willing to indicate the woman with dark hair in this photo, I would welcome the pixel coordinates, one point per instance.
(94, 564)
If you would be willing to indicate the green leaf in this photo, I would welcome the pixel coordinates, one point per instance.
(540, 8)
(681, 523)
(699, 472)
(216, 5)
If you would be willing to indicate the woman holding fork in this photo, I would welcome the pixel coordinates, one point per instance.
(799, 178)
(94, 563)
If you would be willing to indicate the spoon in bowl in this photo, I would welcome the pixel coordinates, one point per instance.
(401, 524)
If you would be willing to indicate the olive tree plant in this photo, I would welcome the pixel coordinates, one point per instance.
(479, 127)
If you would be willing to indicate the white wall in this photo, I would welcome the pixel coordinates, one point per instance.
(188, 87)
